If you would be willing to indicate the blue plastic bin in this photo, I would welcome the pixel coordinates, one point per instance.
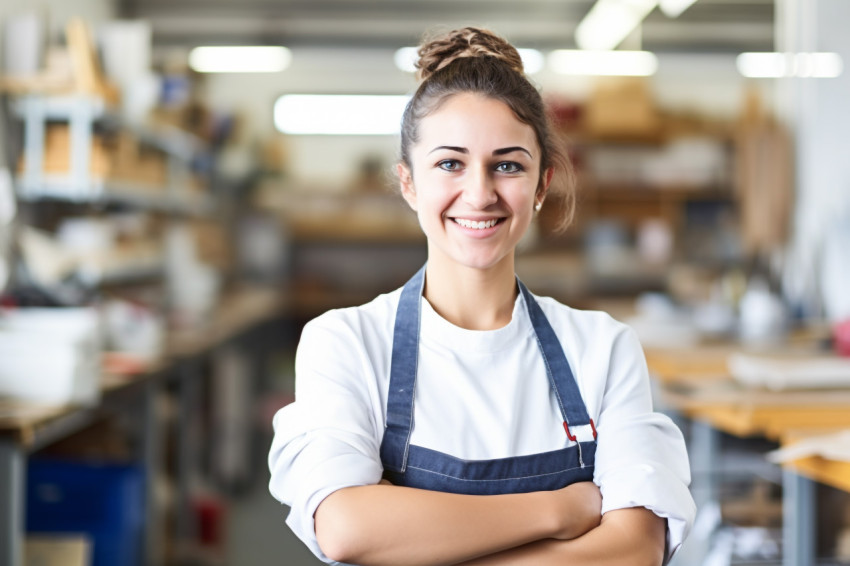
(106, 502)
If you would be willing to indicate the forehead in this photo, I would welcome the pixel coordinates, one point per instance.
(475, 122)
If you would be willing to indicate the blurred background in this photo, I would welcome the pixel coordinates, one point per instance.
(184, 183)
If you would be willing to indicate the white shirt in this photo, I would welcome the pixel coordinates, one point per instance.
(479, 395)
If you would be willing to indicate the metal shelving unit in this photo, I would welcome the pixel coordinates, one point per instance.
(79, 185)
(177, 375)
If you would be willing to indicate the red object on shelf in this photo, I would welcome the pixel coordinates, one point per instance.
(210, 514)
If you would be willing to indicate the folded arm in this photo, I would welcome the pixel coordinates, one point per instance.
(626, 537)
(386, 524)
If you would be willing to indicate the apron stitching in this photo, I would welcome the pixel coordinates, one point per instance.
(549, 374)
(499, 479)
(415, 373)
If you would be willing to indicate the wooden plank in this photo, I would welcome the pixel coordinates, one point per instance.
(728, 393)
(83, 57)
(236, 313)
(830, 472)
(733, 420)
(695, 363)
(733, 408)
(88, 76)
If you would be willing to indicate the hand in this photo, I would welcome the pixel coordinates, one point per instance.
(577, 509)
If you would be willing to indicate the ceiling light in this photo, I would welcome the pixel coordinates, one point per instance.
(240, 59)
(762, 65)
(818, 65)
(609, 22)
(406, 57)
(603, 63)
(674, 8)
(532, 60)
(338, 114)
(779, 65)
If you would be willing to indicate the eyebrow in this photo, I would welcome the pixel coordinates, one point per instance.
(500, 151)
(506, 150)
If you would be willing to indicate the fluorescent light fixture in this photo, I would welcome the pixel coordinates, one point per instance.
(779, 65)
(339, 114)
(405, 59)
(240, 59)
(603, 63)
(532, 60)
(818, 65)
(608, 22)
(674, 8)
(762, 65)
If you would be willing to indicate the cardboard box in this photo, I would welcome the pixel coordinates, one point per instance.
(622, 108)
(58, 550)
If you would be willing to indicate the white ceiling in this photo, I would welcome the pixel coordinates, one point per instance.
(709, 26)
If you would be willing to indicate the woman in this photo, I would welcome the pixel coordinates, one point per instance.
(534, 439)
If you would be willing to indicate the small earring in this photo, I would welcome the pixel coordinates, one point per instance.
(538, 206)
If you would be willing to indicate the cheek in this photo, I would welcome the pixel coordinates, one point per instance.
(434, 191)
(432, 204)
(521, 193)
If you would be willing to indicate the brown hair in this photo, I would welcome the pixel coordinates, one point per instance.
(473, 60)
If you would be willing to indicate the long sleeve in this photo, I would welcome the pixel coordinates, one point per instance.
(327, 438)
(641, 459)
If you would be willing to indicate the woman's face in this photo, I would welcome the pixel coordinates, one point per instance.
(474, 182)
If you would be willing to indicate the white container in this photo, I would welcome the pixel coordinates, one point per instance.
(50, 355)
(24, 40)
(763, 316)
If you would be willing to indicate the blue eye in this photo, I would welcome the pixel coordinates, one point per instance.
(449, 165)
(509, 167)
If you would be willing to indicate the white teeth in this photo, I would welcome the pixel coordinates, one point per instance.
(479, 225)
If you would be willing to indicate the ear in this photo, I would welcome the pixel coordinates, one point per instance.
(545, 181)
(405, 176)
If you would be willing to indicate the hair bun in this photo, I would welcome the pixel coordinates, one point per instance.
(436, 53)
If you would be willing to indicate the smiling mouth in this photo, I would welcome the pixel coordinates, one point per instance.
(477, 224)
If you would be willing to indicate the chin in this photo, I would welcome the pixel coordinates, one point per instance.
(481, 263)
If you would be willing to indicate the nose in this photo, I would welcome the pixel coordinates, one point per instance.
(479, 190)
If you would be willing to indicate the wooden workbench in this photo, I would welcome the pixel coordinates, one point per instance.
(831, 472)
(696, 382)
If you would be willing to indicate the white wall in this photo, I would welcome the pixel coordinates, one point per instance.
(819, 112)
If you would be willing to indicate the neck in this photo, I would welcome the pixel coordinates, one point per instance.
(475, 299)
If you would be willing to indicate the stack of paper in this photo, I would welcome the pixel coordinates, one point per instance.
(790, 372)
(832, 447)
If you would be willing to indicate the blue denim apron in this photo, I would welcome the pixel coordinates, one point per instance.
(415, 466)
